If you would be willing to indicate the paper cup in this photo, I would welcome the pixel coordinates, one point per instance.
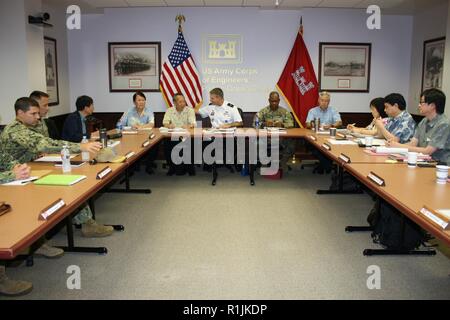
(412, 159)
(441, 174)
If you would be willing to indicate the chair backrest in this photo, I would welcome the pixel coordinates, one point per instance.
(241, 113)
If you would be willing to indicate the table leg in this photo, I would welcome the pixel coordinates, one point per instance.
(127, 186)
(70, 241)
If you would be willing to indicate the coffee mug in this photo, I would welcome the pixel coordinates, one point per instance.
(333, 132)
(441, 174)
(412, 159)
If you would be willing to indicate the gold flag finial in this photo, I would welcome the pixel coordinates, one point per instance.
(180, 18)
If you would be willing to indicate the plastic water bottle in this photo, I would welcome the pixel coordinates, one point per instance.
(256, 121)
(119, 126)
(65, 157)
(85, 154)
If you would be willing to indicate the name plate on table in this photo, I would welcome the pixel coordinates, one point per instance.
(313, 138)
(344, 158)
(326, 146)
(103, 173)
(341, 136)
(129, 155)
(435, 217)
(145, 144)
(151, 136)
(377, 179)
(51, 209)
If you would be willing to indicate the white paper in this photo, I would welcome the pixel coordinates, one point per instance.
(78, 180)
(174, 130)
(387, 150)
(51, 158)
(444, 212)
(177, 130)
(21, 182)
(212, 130)
(129, 132)
(341, 142)
(113, 144)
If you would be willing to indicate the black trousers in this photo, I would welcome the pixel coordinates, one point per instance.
(182, 168)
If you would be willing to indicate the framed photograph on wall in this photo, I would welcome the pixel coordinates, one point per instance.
(433, 63)
(344, 67)
(51, 70)
(134, 66)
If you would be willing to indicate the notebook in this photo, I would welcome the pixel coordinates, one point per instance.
(60, 180)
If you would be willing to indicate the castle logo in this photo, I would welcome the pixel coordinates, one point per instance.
(222, 49)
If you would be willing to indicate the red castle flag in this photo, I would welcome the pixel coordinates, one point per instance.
(298, 82)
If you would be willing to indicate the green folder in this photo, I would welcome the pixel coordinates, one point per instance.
(60, 180)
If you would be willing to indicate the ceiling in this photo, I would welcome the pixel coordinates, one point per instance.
(387, 6)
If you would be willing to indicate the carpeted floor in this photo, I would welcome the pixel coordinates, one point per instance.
(276, 240)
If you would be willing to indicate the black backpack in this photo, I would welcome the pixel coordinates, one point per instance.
(393, 229)
(348, 182)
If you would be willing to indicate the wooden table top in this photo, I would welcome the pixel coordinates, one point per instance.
(20, 227)
(354, 152)
(409, 190)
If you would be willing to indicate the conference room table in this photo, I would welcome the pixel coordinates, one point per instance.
(409, 190)
(21, 227)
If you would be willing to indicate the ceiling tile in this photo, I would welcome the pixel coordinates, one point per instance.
(185, 3)
(299, 3)
(339, 3)
(222, 3)
(106, 3)
(146, 3)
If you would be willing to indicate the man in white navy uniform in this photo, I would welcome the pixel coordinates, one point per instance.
(221, 113)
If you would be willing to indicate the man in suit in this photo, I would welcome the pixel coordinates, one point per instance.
(46, 125)
(75, 125)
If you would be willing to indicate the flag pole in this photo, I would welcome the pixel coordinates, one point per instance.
(301, 26)
(180, 18)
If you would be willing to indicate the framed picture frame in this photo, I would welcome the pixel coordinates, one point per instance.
(51, 71)
(134, 66)
(433, 63)
(344, 66)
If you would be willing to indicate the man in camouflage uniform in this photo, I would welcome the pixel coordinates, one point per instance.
(275, 116)
(14, 171)
(48, 125)
(24, 140)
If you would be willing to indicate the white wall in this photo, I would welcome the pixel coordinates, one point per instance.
(268, 37)
(58, 32)
(428, 24)
(446, 81)
(35, 49)
(391, 49)
(21, 56)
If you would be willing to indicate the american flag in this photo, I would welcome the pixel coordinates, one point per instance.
(179, 74)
